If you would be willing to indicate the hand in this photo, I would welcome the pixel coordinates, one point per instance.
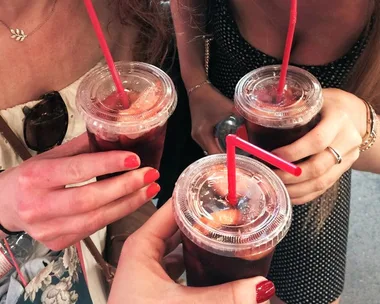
(141, 278)
(342, 127)
(208, 107)
(35, 200)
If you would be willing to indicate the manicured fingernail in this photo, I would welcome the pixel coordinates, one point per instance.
(264, 291)
(151, 176)
(132, 162)
(152, 190)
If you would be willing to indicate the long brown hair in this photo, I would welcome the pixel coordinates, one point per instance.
(152, 19)
(365, 79)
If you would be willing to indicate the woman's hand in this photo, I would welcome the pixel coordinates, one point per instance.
(208, 107)
(141, 278)
(341, 128)
(35, 200)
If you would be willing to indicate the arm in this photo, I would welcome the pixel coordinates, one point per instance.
(207, 105)
(189, 17)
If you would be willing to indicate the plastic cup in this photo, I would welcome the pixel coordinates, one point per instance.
(271, 124)
(223, 243)
(140, 128)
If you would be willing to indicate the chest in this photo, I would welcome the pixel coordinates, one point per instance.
(63, 50)
(317, 39)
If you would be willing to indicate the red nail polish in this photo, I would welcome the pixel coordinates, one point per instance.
(152, 190)
(151, 176)
(132, 162)
(264, 291)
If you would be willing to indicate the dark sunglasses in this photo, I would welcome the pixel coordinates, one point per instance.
(45, 124)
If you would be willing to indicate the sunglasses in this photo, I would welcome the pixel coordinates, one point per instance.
(45, 124)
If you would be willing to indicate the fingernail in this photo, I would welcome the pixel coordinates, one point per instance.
(151, 176)
(131, 162)
(264, 291)
(152, 190)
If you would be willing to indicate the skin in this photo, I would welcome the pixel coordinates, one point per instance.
(42, 59)
(325, 31)
(41, 56)
(141, 262)
(72, 214)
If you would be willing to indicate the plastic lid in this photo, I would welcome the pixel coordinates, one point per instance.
(256, 97)
(151, 93)
(257, 224)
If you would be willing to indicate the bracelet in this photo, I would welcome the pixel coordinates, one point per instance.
(9, 232)
(370, 136)
(192, 89)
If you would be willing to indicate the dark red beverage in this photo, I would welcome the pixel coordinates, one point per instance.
(140, 125)
(223, 243)
(205, 268)
(270, 138)
(148, 147)
(274, 122)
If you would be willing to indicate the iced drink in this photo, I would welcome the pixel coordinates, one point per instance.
(274, 122)
(140, 126)
(222, 243)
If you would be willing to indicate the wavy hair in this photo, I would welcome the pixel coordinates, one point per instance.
(152, 19)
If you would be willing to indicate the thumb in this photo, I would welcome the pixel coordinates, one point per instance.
(256, 290)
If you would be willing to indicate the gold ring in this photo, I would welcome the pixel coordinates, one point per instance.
(336, 154)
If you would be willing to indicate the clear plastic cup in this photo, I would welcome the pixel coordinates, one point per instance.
(222, 243)
(140, 128)
(273, 123)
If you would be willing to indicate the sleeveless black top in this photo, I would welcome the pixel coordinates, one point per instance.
(309, 264)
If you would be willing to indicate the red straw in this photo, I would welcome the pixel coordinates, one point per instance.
(288, 48)
(106, 52)
(232, 142)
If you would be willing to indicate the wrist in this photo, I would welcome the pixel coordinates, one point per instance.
(193, 76)
(198, 87)
(7, 231)
(361, 117)
(370, 136)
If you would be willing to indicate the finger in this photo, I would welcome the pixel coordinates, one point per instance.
(90, 197)
(173, 242)
(317, 140)
(86, 224)
(317, 165)
(323, 182)
(173, 263)
(256, 290)
(77, 145)
(70, 170)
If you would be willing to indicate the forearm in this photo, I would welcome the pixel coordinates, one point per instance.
(189, 17)
(370, 160)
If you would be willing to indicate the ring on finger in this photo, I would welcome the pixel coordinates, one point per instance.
(336, 154)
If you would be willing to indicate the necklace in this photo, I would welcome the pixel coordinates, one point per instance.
(19, 34)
